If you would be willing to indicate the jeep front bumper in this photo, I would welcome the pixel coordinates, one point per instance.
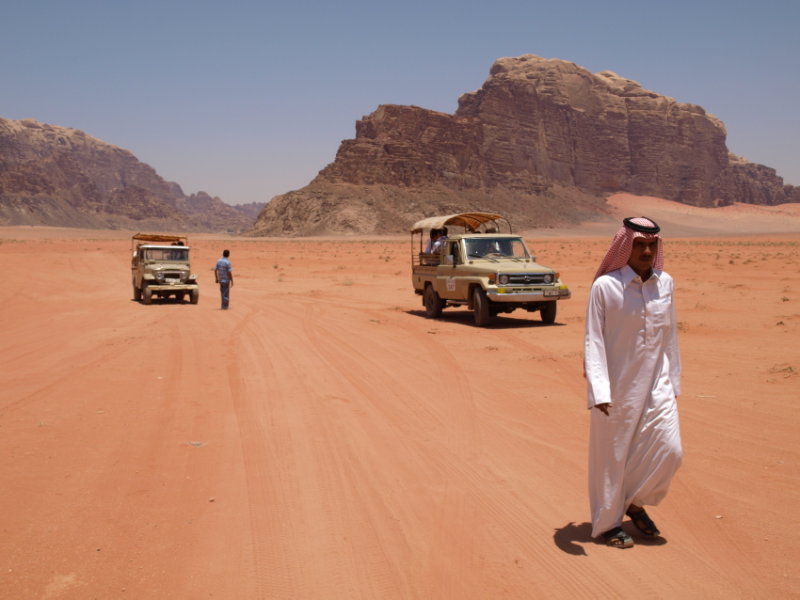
(171, 287)
(526, 294)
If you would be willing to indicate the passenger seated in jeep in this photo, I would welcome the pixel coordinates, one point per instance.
(431, 255)
(434, 235)
(439, 240)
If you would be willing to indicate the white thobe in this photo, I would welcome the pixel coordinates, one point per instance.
(632, 362)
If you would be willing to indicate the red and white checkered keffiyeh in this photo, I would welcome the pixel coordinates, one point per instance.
(620, 250)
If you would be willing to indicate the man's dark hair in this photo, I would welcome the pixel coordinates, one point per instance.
(226, 253)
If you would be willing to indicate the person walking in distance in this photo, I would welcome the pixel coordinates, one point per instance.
(633, 372)
(223, 275)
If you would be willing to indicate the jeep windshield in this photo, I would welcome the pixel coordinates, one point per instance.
(170, 254)
(496, 247)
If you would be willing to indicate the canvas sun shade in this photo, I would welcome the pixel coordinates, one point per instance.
(471, 221)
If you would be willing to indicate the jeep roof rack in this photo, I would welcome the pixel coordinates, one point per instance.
(471, 221)
(160, 237)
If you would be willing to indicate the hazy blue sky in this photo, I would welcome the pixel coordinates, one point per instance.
(247, 100)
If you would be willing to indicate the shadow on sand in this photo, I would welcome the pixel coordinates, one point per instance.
(465, 317)
(570, 537)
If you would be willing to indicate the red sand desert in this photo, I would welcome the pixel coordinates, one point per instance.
(323, 439)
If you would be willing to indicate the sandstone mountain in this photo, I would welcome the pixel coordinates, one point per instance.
(52, 175)
(543, 140)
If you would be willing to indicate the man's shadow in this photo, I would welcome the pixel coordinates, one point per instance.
(570, 537)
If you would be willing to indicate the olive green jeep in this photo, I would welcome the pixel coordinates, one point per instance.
(160, 267)
(476, 266)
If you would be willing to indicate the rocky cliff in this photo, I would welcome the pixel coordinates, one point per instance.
(52, 175)
(542, 140)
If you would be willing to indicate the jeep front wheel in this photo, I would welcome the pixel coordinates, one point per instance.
(480, 306)
(433, 303)
(147, 297)
(137, 293)
(548, 313)
(194, 296)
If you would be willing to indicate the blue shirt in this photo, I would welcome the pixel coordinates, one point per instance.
(223, 269)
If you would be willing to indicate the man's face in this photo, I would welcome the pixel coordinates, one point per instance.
(643, 253)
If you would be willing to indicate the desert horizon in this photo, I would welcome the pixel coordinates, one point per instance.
(323, 439)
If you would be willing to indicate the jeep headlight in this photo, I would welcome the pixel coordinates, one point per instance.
(160, 276)
(502, 279)
(548, 278)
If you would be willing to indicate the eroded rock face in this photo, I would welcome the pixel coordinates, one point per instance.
(538, 133)
(52, 175)
(599, 132)
(743, 181)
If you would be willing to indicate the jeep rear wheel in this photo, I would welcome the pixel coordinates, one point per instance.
(147, 298)
(194, 296)
(480, 306)
(433, 303)
(548, 313)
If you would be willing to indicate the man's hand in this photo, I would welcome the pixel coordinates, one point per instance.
(603, 408)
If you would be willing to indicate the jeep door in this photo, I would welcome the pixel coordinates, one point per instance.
(449, 275)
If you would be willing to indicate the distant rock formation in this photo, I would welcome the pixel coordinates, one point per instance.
(543, 141)
(52, 175)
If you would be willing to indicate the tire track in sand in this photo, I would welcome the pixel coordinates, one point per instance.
(439, 421)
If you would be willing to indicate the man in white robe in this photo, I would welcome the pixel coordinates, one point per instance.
(633, 371)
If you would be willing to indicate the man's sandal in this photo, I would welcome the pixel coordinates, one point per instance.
(642, 521)
(617, 538)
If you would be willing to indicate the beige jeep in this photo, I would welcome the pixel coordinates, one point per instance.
(479, 267)
(160, 267)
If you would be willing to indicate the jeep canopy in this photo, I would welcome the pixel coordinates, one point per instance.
(471, 221)
(160, 238)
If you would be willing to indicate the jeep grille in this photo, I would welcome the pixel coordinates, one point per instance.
(529, 278)
(174, 276)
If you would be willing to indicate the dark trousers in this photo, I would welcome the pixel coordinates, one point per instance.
(224, 292)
